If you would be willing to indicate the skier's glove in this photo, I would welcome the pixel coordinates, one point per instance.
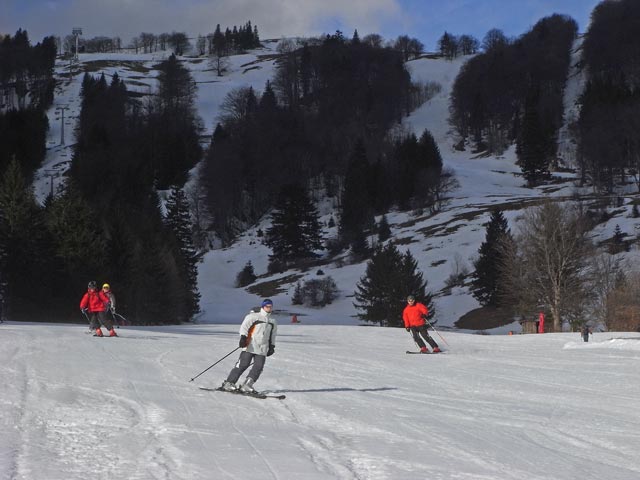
(271, 351)
(243, 341)
(84, 310)
(113, 309)
(407, 329)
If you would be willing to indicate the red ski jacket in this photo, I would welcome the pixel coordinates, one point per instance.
(95, 301)
(413, 315)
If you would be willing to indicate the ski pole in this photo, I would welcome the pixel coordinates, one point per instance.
(238, 348)
(434, 329)
(123, 321)
(116, 322)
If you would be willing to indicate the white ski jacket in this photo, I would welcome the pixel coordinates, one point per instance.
(264, 329)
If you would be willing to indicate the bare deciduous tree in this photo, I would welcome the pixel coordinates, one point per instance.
(201, 45)
(179, 41)
(623, 304)
(220, 63)
(148, 41)
(605, 274)
(438, 191)
(373, 40)
(236, 105)
(545, 266)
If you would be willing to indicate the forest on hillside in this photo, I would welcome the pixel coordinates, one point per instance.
(329, 106)
(512, 93)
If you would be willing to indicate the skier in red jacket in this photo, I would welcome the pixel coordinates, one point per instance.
(414, 315)
(94, 304)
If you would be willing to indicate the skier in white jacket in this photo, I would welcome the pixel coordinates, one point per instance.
(257, 340)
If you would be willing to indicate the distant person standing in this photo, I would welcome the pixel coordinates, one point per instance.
(585, 331)
(414, 315)
(94, 305)
(258, 341)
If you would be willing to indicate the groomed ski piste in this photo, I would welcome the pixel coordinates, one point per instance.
(521, 407)
(492, 407)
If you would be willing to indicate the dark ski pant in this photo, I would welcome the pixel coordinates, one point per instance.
(422, 330)
(243, 363)
(99, 318)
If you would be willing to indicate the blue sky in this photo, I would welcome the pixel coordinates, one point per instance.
(422, 19)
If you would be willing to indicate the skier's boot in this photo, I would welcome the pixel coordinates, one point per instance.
(98, 332)
(424, 350)
(228, 386)
(247, 386)
(437, 350)
(112, 333)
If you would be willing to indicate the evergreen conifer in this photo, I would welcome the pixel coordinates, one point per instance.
(381, 293)
(486, 274)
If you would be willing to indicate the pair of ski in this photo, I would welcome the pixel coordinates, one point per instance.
(410, 352)
(93, 334)
(246, 394)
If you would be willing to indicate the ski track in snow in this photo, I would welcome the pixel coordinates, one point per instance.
(82, 424)
(490, 408)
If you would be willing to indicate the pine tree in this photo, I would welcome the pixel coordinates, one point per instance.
(356, 215)
(179, 221)
(3, 261)
(486, 275)
(175, 124)
(428, 171)
(533, 144)
(430, 158)
(295, 231)
(384, 230)
(617, 242)
(26, 266)
(390, 276)
(246, 276)
(448, 46)
(79, 240)
(306, 71)
(407, 154)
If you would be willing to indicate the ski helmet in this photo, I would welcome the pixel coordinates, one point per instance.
(107, 286)
(92, 284)
(411, 298)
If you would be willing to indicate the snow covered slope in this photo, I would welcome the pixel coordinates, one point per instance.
(524, 407)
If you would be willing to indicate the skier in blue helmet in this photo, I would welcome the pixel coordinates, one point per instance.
(257, 340)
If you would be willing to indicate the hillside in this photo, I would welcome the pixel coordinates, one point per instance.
(442, 244)
(526, 407)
